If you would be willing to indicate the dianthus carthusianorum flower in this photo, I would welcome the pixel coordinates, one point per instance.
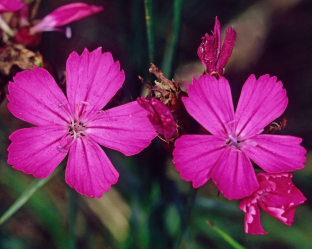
(236, 137)
(29, 31)
(76, 124)
(277, 196)
(63, 15)
(10, 5)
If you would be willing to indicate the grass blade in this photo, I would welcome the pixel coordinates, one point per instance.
(171, 47)
(34, 186)
(225, 236)
(150, 31)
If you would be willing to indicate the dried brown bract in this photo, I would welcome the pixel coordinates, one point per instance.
(17, 55)
(167, 91)
(170, 93)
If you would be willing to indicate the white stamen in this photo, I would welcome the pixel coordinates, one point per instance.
(233, 139)
(68, 32)
(84, 102)
(252, 143)
(231, 121)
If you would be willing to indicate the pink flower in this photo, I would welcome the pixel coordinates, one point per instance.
(277, 196)
(210, 53)
(10, 5)
(236, 137)
(160, 116)
(75, 124)
(64, 15)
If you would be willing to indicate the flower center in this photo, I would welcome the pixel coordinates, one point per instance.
(76, 129)
(232, 141)
(76, 125)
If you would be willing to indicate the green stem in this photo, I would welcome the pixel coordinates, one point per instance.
(72, 214)
(225, 236)
(150, 32)
(34, 186)
(171, 46)
(186, 214)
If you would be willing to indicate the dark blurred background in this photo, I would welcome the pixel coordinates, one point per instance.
(142, 210)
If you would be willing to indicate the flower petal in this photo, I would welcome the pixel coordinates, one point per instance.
(281, 201)
(210, 104)
(234, 175)
(217, 34)
(89, 170)
(227, 48)
(285, 194)
(276, 154)
(252, 217)
(35, 98)
(209, 49)
(64, 15)
(195, 156)
(125, 128)
(10, 5)
(92, 78)
(261, 101)
(36, 150)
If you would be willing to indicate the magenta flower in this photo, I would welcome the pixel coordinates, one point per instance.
(236, 137)
(277, 196)
(75, 124)
(160, 116)
(210, 53)
(64, 15)
(10, 5)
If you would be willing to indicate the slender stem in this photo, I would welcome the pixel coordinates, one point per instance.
(171, 47)
(72, 214)
(225, 236)
(150, 30)
(34, 9)
(186, 214)
(34, 186)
